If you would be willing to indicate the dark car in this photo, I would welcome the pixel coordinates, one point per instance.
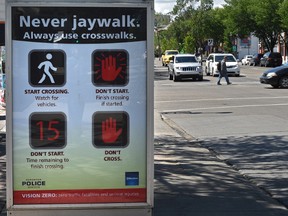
(255, 60)
(276, 77)
(272, 59)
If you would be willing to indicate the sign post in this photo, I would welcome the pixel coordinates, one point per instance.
(80, 107)
(210, 42)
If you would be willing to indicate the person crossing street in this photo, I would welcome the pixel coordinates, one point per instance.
(223, 72)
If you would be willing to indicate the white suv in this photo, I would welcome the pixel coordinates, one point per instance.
(185, 66)
(231, 63)
(246, 59)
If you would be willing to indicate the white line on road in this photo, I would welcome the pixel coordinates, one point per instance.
(222, 99)
(223, 107)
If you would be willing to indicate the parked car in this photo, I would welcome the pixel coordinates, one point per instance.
(255, 60)
(167, 55)
(276, 77)
(231, 63)
(246, 59)
(273, 59)
(185, 66)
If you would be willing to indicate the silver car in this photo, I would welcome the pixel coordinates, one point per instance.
(185, 66)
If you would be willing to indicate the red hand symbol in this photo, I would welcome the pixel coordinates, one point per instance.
(109, 70)
(109, 133)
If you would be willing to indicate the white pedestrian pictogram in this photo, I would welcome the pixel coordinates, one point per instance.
(47, 66)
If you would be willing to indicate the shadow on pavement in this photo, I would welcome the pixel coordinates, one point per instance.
(189, 180)
(262, 159)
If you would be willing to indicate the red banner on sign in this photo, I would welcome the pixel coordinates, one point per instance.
(80, 196)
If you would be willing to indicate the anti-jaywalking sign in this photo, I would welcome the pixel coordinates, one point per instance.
(80, 105)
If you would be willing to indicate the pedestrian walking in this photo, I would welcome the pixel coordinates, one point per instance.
(223, 72)
(47, 65)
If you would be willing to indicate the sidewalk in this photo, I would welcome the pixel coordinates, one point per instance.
(189, 180)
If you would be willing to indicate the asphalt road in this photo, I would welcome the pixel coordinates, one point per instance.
(245, 124)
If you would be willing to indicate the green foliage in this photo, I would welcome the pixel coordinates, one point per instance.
(162, 20)
(283, 13)
(189, 44)
(196, 21)
(257, 17)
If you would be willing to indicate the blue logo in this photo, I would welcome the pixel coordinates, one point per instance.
(132, 178)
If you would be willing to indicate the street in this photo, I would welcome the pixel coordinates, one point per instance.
(243, 124)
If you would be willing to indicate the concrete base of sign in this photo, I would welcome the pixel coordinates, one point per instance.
(82, 212)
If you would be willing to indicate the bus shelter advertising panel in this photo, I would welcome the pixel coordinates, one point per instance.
(79, 118)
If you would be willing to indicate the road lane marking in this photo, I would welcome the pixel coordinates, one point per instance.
(222, 99)
(222, 107)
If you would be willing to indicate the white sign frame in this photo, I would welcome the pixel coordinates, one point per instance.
(141, 208)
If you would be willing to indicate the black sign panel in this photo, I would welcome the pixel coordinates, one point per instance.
(47, 68)
(110, 68)
(68, 25)
(110, 129)
(47, 130)
(2, 34)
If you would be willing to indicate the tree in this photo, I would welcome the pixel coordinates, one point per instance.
(198, 22)
(267, 21)
(214, 26)
(257, 17)
(161, 23)
(162, 20)
(283, 13)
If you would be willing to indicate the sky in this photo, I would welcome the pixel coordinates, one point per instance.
(161, 6)
(165, 6)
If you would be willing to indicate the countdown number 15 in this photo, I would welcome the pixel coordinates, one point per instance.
(47, 130)
(50, 128)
